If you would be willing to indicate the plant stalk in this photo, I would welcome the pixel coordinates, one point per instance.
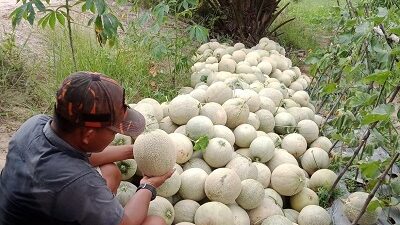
(71, 43)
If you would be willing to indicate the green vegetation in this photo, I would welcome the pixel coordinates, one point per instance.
(324, 196)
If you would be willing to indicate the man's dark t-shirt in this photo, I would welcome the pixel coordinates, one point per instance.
(46, 181)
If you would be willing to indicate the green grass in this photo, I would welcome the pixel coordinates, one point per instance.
(312, 26)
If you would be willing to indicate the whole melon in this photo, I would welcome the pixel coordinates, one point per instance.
(125, 192)
(314, 215)
(267, 103)
(322, 178)
(170, 186)
(267, 120)
(215, 112)
(353, 205)
(308, 129)
(237, 112)
(264, 174)
(243, 167)
(304, 198)
(262, 149)
(218, 92)
(314, 159)
(291, 214)
(275, 196)
(127, 167)
(240, 216)
(322, 142)
(197, 163)
(199, 126)
(199, 95)
(181, 130)
(284, 123)
(213, 213)
(218, 152)
(185, 211)
(192, 184)
(280, 157)
(251, 195)
(253, 120)
(266, 209)
(288, 179)
(223, 185)
(158, 111)
(167, 125)
(295, 144)
(244, 135)
(275, 95)
(275, 138)
(183, 147)
(277, 220)
(162, 207)
(228, 65)
(154, 152)
(182, 108)
(224, 132)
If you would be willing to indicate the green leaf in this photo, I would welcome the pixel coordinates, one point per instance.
(60, 18)
(17, 15)
(330, 88)
(100, 6)
(201, 143)
(395, 31)
(52, 20)
(370, 169)
(31, 13)
(198, 33)
(380, 113)
(39, 5)
(43, 22)
(378, 77)
(373, 205)
(362, 28)
(89, 4)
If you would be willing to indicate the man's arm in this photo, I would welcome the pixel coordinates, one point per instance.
(111, 154)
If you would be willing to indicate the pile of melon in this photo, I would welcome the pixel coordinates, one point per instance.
(265, 157)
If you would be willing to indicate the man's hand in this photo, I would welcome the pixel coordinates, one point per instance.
(156, 181)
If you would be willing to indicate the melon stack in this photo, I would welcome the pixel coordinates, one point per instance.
(265, 158)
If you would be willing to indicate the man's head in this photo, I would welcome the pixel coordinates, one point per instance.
(91, 101)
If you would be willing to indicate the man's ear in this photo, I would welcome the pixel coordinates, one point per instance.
(88, 134)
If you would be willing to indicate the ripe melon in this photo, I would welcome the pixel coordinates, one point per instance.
(181, 130)
(223, 185)
(240, 216)
(127, 167)
(264, 174)
(275, 196)
(218, 152)
(125, 192)
(308, 129)
(243, 167)
(314, 159)
(197, 163)
(266, 209)
(353, 205)
(265, 67)
(291, 214)
(280, 157)
(277, 220)
(183, 147)
(170, 186)
(237, 112)
(275, 95)
(267, 120)
(192, 184)
(199, 126)
(275, 138)
(251, 98)
(200, 76)
(256, 86)
(297, 113)
(185, 211)
(244, 135)
(314, 215)
(158, 111)
(301, 97)
(262, 149)
(120, 139)
(215, 112)
(213, 213)
(251, 195)
(185, 90)
(238, 55)
(295, 144)
(242, 152)
(304, 198)
(154, 152)
(199, 95)
(182, 108)
(218, 92)
(253, 120)
(267, 103)
(284, 123)
(167, 125)
(322, 178)
(224, 132)
(322, 142)
(288, 179)
(228, 65)
(162, 207)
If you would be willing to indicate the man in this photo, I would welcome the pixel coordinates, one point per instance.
(52, 176)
